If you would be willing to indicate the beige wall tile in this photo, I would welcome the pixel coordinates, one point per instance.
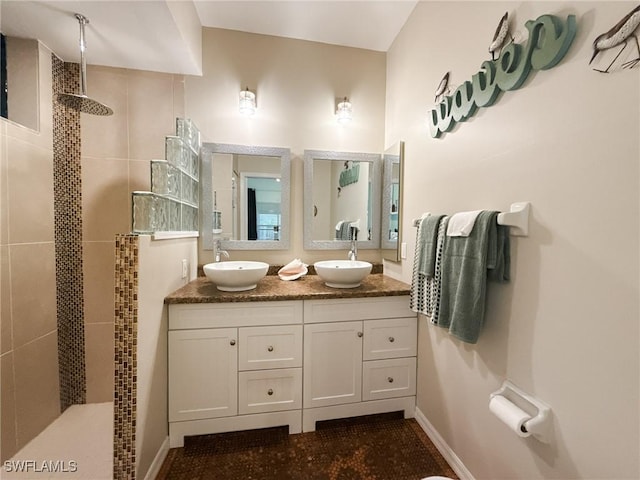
(7, 408)
(151, 115)
(105, 198)
(36, 386)
(106, 136)
(4, 186)
(6, 342)
(140, 175)
(30, 192)
(99, 347)
(33, 291)
(98, 268)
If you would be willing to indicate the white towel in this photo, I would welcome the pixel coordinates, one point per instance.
(461, 224)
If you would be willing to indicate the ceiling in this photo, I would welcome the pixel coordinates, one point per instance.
(165, 35)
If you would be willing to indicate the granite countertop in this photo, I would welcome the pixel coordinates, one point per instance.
(271, 288)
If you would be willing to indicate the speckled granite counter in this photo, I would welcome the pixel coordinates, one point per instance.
(271, 288)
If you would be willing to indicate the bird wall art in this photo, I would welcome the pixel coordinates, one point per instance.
(619, 34)
(443, 87)
(502, 31)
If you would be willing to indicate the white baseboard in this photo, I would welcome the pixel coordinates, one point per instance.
(156, 465)
(445, 450)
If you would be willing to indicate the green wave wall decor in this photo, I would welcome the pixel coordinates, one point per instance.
(549, 41)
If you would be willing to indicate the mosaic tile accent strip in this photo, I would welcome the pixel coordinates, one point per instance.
(67, 198)
(126, 346)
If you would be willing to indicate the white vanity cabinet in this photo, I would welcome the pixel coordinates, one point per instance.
(359, 357)
(246, 365)
(234, 366)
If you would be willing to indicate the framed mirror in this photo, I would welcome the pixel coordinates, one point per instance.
(391, 231)
(245, 196)
(341, 190)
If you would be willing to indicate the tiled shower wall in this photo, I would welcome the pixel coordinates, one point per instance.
(116, 155)
(67, 198)
(30, 398)
(115, 159)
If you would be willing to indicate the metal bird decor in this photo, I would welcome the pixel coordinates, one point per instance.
(443, 87)
(619, 34)
(500, 36)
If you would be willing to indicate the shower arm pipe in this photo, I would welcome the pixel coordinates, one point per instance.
(83, 62)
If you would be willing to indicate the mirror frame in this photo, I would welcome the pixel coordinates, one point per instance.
(206, 201)
(391, 250)
(375, 160)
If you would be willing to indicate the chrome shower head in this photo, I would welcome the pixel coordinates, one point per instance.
(82, 102)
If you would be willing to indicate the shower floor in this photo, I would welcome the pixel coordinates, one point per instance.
(78, 445)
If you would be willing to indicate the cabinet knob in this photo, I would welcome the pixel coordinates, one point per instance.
(232, 342)
(360, 334)
(270, 391)
(391, 339)
(270, 348)
(390, 379)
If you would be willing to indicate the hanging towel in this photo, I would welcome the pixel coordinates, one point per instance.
(464, 278)
(461, 224)
(436, 290)
(422, 283)
(499, 256)
(344, 231)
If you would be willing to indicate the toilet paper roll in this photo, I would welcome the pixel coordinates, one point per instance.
(510, 414)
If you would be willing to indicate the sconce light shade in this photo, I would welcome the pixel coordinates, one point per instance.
(247, 102)
(344, 112)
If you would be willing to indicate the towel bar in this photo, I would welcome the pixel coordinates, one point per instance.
(517, 218)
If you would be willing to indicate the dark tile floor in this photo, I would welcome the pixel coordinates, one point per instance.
(376, 447)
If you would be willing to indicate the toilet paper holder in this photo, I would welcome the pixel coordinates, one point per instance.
(539, 425)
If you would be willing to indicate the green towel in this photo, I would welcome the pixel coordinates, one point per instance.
(464, 276)
(499, 256)
(427, 244)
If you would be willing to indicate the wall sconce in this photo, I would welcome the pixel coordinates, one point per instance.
(247, 102)
(344, 112)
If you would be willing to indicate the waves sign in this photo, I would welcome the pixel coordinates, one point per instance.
(549, 41)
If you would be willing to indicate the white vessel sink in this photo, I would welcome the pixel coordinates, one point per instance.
(235, 276)
(342, 273)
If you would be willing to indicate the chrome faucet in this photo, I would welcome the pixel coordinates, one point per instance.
(218, 252)
(353, 252)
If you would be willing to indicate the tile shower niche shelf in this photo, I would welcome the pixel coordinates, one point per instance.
(172, 204)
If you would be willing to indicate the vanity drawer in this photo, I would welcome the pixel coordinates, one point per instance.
(388, 378)
(349, 309)
(261, 348)
(390, 338)
(269, 390)
(241, 314)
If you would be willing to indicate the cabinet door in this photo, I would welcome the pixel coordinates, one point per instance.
(203, 374)
(332, 364)
(390, 338)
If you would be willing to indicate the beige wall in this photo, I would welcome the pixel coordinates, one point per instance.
(565, 328)
(159, 273)
(116, 154)
(28, 336)
(296, 84)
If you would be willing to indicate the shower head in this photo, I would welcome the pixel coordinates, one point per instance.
(82, 102)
